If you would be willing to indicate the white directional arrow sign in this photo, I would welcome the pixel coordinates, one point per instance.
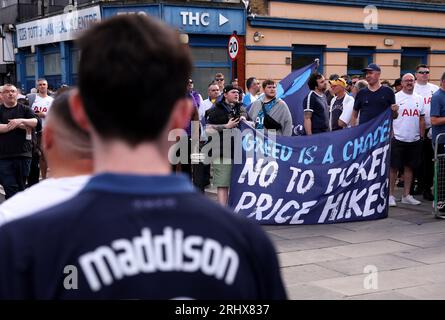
(222, 20)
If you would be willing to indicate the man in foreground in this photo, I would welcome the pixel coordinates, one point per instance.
(71, 164)
(135, 231)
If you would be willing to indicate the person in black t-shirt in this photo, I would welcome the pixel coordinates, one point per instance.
(315, 105)
(16, 124)
(135, 231)
(374, 99)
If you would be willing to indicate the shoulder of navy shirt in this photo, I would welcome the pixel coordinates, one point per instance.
(140, 184)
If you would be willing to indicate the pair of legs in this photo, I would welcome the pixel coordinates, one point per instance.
(43, 166)
(407, 178)
(222, 171)
(13, 174)
(406, 155)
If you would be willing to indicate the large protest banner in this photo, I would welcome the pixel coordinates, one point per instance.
(332, 177)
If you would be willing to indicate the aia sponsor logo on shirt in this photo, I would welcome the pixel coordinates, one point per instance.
(40, 109)
(410, 113)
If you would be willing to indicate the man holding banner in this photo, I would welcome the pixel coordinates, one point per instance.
(316, 110)
(270, 112)
(375, 99)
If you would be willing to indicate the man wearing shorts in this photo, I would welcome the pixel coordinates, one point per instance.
(406, 145)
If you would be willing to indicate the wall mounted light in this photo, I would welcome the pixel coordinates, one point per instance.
(388, 42)
(33, 49)
(184, 38)
(257, 36)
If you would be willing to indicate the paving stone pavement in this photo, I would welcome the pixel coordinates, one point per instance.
(407, 251)
(332, 262)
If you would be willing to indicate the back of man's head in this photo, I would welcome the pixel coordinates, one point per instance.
(66, 136)
(124, 53)
(249, 82)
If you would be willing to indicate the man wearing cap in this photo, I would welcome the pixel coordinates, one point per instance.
(341, 107)
(374, 99)
(226, 115)
(426, 90)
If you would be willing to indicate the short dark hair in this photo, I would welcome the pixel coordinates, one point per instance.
(443, 77)
(312, 82)
(422, 65)
(249, 82)
(127, 52)
(268, 82)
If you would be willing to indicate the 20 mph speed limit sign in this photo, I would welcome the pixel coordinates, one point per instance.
(233, 47)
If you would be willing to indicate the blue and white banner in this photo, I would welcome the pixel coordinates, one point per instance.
(293, 89)
(332, 177)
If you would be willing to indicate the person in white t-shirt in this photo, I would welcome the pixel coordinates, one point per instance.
(40, 104)
(426, 171)
(213, 93)
(406, 145)
(71, 165)
(340, 111)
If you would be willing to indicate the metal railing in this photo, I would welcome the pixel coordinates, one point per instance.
(439, 177)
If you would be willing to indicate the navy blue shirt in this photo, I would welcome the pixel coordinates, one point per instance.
(318, 106)
(137, 237)
(438, 110)
(373, 103)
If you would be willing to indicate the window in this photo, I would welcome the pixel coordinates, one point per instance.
(411, 57)
(30, 67)
(358, 59)
(210, 56)
(75, 58)
(304, 55)
(51, 64)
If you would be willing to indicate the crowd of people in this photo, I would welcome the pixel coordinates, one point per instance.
(335, 104)
(110, 192)
(338, 103)
(133, 230)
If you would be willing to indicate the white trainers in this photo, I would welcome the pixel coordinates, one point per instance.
(409, 199)
(392, 201)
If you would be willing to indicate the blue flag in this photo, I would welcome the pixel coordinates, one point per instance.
(293, 89)
(332, 177)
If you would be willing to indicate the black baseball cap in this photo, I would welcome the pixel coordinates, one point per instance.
(372, 67)
(230, 87)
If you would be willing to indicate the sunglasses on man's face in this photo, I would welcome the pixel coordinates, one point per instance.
(423, 72)
(220, 79)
